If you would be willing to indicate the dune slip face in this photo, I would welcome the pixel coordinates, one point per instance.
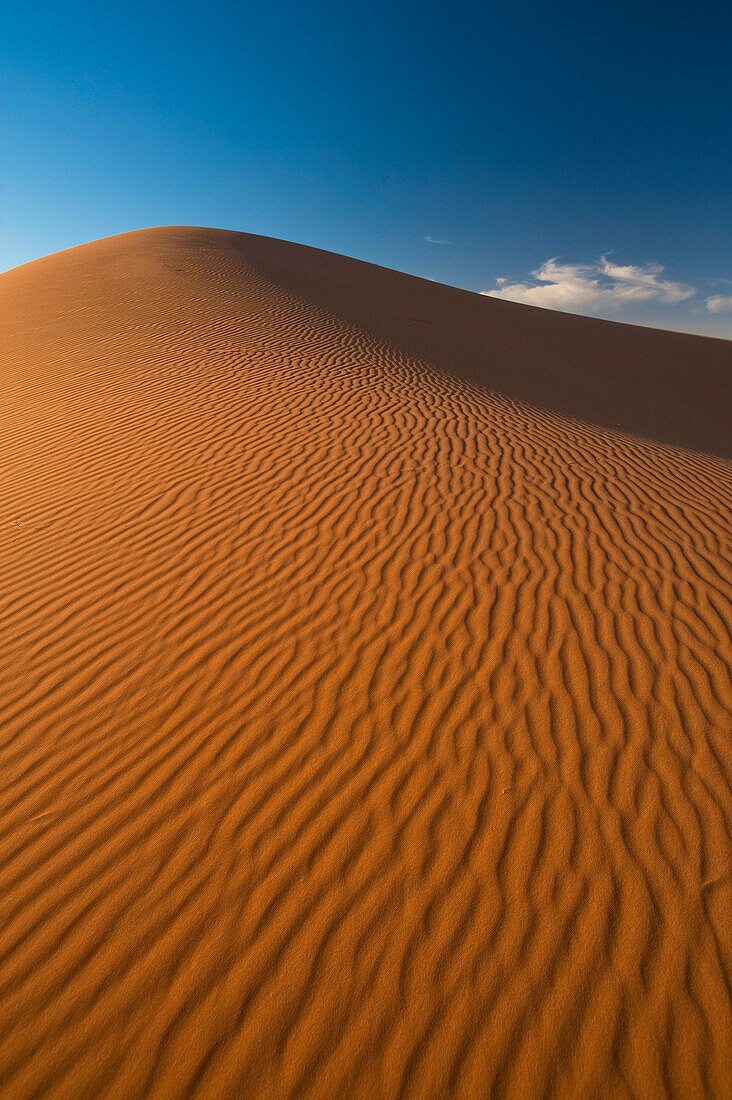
(364, 694)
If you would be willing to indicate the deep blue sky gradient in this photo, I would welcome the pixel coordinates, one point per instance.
(516, 132)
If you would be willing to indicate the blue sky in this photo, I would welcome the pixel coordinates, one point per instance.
(587, 144)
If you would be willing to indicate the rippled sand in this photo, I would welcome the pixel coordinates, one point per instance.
(364, 686)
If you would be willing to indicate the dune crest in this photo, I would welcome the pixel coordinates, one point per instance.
(364, 714)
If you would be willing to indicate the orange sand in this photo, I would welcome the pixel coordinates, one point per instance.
(365, 707)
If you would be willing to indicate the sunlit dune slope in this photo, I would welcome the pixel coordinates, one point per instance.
(365, 698)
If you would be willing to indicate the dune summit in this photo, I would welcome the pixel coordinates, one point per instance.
(364, 704)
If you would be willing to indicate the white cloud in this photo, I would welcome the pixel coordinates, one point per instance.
(592, 288)
(433, 240)
(718, 304)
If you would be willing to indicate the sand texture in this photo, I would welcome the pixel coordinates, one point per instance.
(364, 686)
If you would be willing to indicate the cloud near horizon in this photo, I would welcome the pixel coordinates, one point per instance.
(591, 288)
(718, 303)
(433, 240)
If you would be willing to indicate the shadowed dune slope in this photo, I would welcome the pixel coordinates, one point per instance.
(364, 690)
(617, 376)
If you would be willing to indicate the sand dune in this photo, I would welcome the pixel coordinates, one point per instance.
(365, 699)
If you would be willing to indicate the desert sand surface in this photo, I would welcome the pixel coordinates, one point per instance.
(364, 686)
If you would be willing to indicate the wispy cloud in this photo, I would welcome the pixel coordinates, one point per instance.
(592, 288)
(433, 240)
(719, 304)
